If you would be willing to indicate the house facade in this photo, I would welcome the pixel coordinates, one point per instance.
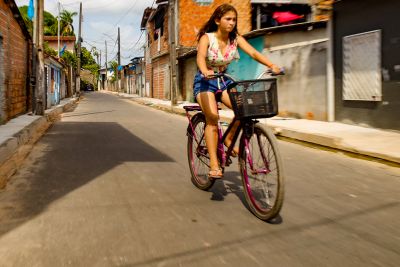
(366, 47)
(55, 85)
(155, 22)
(67, 41)
(15, 63)
(134, 77)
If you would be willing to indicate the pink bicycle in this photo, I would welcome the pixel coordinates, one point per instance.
(260, 163)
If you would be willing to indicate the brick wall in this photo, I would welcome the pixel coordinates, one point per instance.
(148, 80)
(193, 16)
(14, 65)
(156, 72)
(163, 40)
(160, 78)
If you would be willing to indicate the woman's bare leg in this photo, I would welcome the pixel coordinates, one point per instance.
(227, 102)
(209, 106)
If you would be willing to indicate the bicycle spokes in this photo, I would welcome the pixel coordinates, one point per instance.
(260, 171)
(199, 161)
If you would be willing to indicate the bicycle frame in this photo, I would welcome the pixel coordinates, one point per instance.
(223, 155)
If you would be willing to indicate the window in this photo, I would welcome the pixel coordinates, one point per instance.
(159, 24)
(204, 2)
(362, 67)
(271, 15)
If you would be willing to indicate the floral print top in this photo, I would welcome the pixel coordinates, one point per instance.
(215, 60)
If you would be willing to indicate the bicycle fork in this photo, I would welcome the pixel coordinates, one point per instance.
(220, 147)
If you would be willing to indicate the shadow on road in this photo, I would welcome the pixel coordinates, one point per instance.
(232, 184)
(75, 154)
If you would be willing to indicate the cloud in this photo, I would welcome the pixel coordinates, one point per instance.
(101, 20)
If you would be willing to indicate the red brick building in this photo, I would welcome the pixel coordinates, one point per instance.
(15, 47)
(193, 14)
(155, 22)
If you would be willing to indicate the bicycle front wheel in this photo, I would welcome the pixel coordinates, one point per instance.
(261, 170)
(197, 153)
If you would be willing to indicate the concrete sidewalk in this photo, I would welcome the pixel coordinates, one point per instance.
(369, 142)
(19, 135)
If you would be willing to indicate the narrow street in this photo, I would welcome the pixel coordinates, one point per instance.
(109, 185)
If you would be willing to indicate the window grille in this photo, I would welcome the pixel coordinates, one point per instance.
(362, 67)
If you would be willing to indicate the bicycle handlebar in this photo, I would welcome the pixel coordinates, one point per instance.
(269, 72)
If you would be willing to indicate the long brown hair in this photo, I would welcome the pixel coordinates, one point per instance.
(211, 26)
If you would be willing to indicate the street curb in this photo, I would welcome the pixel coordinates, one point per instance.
(17, 147)
(331, 142)
(319, 139)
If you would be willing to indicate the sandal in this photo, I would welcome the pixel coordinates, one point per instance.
(215, 174)
(233, 154)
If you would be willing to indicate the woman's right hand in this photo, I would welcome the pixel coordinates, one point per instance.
(208, 74)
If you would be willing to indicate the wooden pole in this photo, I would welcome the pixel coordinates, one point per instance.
(172, 52)
(78, 75)
(40, 86)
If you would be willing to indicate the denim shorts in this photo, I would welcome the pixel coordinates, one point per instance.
(213, 85)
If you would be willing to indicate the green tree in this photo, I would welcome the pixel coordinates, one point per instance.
(24, 12)
(48, 50)
(67, 29)
(87, 57)
(50, 22)
(70, 58)
(114, 66)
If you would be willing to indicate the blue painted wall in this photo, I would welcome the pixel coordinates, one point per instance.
(247, 68)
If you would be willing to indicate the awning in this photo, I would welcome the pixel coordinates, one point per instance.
(285, 17)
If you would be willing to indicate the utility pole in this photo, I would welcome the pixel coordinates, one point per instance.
(106, 53)
(78, 76)
(119, 61)
(40, 95)
(172, 52)
(58, 29)
(106, 82)
(34, 58)
(119, 48)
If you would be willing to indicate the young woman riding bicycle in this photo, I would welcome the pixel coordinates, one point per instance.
(218, 43)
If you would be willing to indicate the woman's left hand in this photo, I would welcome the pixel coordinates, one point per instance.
(275, 69)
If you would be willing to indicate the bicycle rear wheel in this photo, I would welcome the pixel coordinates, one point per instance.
(197, 153)
(261, 170)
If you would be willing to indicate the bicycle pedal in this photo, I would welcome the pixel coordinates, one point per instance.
(228, 162)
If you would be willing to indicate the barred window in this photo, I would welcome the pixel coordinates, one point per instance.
(362, 78)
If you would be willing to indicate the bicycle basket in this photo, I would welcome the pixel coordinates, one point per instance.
(255, 98)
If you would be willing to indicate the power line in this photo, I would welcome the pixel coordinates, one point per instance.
(134, 4)
(134, 45)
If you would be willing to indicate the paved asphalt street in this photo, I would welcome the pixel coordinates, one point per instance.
(109, 185)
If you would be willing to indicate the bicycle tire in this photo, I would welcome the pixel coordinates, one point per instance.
(197, 154)
(257, 182)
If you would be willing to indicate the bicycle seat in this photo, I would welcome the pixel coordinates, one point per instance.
(192, 108)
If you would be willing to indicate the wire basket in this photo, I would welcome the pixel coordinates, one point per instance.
(255, 98)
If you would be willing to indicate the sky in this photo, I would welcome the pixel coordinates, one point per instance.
(101, 19)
